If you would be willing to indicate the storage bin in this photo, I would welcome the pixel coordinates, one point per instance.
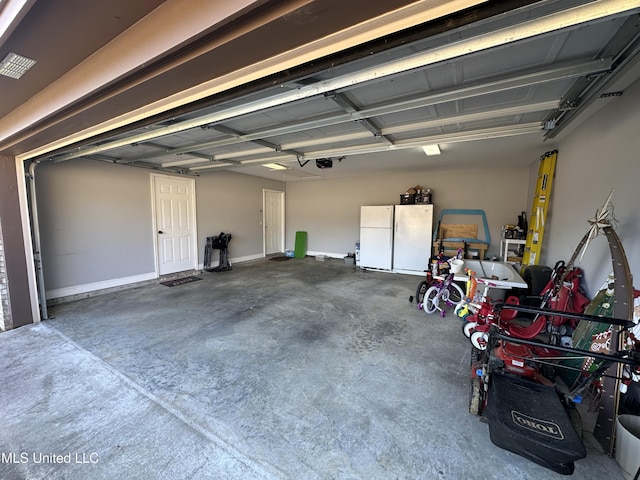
(408, 199)
(628, 444)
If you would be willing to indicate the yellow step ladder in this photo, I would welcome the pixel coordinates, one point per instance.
(539, 209)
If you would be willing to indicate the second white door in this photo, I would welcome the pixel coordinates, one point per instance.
(273, 221)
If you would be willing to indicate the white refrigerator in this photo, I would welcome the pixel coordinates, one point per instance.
(376, 237)
(413, 232)
(396, 237)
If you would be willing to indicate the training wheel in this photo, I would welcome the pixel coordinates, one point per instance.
(468, 327)
(479, 340)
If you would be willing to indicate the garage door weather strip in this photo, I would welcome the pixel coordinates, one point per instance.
(36, 239)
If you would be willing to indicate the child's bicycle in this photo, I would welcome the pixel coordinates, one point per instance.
(436, 287)
(423, 286)
(445, 292)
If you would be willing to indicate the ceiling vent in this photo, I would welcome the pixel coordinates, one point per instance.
(14, 65)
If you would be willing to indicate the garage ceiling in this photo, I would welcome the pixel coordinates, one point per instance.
(515, 82)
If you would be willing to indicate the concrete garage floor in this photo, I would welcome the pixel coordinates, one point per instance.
(295, 370)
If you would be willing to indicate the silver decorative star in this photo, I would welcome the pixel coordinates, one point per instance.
(601, 220)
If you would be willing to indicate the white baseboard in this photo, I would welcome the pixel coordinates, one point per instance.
(246, 258)
(86, 288)
(398, 271)
(410, 272)
(326, 254)
(91, 287)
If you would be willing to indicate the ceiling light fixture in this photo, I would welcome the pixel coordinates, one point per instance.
(431, 149)
(275, 166)
(14, 65)
(268, 159)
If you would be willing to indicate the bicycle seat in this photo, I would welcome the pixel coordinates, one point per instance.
(527, 332)
(506, 313)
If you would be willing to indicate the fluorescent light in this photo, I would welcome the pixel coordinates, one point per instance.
(274, 166)
(267, 158)
(431, 149)
(15, 65)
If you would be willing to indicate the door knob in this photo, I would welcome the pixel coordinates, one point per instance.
(160, 231)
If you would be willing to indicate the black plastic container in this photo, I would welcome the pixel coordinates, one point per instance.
(407, 199)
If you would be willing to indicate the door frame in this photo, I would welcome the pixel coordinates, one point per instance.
(156, 256)
(282, 225)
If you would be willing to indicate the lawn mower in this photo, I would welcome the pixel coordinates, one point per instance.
(513, 386)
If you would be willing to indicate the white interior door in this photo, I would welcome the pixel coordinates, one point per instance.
(175, 224)
(273, 221)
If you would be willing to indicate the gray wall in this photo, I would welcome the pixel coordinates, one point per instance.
(96, 219)
(232, 203)
(329, 210)
(601, 154)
